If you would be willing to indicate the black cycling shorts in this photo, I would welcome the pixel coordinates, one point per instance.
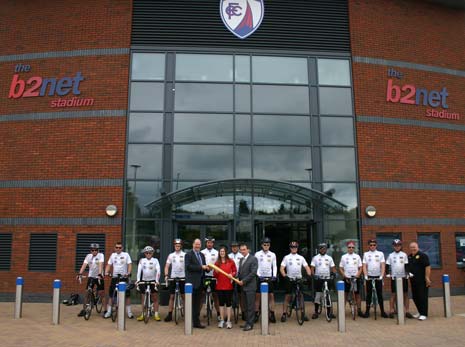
(172, 286)
(290, 285)
(91, 281)
(347, 285)
(142, 288)
(114, 282)
(404, 285)
(270, 285)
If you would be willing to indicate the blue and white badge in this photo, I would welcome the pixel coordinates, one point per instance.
(242, 17)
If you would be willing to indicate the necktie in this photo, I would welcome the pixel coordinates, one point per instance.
(198, 257)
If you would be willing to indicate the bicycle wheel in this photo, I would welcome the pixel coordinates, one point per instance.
(98, 302)
(290, 306)
(114, 307)
(374, 302)
(300, 308)
(329, 306)
(88, 303)
(235, 307)
(353, 305)
(147, 308)
(209, 306)
(177, 307)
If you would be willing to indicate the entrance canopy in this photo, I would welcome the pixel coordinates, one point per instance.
(277, 190)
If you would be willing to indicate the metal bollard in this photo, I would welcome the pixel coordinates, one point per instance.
(446, 284)
(188, 309)
(56, 302)
(400, 301)
(341, 312)
(264, 305)
(121, 306)
(19, 297)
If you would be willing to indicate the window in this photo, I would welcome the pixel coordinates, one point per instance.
(335, 101)
(146, 192)
(283, 130)
(145, 127)
(242, 67)
(337, 131)
(5, 251)
(460, 249)
(333, 72)
(203, 128)
(204, 67)
(280, 99)
(204, 97)
(429, 243)
(279, 70)
(43, 252)
(83, 242)
(385, 242)
(148, 66)
(149, 159)
(146, 96)
(338, 164)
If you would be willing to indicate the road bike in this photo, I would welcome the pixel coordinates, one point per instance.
(147, 311)
(209, 297)
(351, 297)
(92, 298)
(374, 297)
(297, 301)
(178, 302)
(325, 300)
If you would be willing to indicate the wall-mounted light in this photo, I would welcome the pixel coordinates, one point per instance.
(370, 211)
(111, 210)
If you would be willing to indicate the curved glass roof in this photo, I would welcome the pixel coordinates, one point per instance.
(276, 190)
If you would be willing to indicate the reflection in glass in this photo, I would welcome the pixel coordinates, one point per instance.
(338, 233)
(145, 192)
(242, 68)
(338, 164)
(243, 204)
(148, 66)
(280, 99)
(148, 157)
(286, 209)
(337, 101)
(204, 67)
(202, 162)
(188, 233)
(219, 207)
(337, 131)
(430, 244)
(146, 96)
(145, 127)
(279, 70)
(334, 72)
(242, 128)
(203, 128)
(281, 163)
(147, 233)
(204, 97)
(286, 130)
(179, 185)
(242, 98)
(243, 162)
(345, 193)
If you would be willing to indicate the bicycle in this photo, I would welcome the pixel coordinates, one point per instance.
(92, 299)
(147, 310)
(114, 299)
(297, 301)
(374, 297)
(268, 280)
(351, 297)
(178, 302)
(325, 300)
(209, 298)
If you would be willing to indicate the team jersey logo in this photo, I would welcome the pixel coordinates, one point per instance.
(242, 17)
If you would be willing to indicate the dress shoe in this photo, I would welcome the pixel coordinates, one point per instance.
(247, 328)
(384, 315)
(242, 326)
(199, 326)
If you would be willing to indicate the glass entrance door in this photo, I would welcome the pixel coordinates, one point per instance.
(189, 232)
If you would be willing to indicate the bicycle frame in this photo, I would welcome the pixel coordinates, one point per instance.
(147, 311)
(374, 296)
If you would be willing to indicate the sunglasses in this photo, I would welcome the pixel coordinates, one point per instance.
(266, 244)
(350, 247)
(293, 247)
(118, 247)
(372, 244)
(94, 250)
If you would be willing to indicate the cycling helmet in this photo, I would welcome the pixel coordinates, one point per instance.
(94, 246)
(148, 249)
(234, 244)
(266, 240)
(210, 238)
(396, 242)
(177, 242)
(322, 245)
(293, 244)
(350, 243)
(372, 241)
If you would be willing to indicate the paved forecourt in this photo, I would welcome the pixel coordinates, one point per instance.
(35, 329)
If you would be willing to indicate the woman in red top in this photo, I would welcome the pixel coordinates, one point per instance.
(224, 287)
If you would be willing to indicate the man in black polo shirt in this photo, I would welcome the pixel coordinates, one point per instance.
(419, 267)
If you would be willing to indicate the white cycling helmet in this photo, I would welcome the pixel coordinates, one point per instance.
(148, 249)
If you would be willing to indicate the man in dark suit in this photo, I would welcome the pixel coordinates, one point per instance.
(248, 280)
(195, 268)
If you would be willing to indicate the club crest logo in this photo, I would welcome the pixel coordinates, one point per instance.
(242, 17)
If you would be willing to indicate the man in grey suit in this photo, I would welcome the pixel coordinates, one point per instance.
(248, 280)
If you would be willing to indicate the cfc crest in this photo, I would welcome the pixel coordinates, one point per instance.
(242, 17)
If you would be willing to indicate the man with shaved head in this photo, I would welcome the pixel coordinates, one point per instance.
(420, 271)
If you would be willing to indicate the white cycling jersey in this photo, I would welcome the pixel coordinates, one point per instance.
(93, 263)
(351, 263)
(322, 265)
(120, 263)
(236, 257)
(148, 270)
(266, 264)
(211, 256)
(397, 261)
(293, 264)
(176, 260)
(373, 259)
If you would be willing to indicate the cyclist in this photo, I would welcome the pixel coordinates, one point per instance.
(175, 261)
(120, 263)
(396, 267)
(373, 268)
(322, 266)
(95, 261)
(267, 269)
(291, 269)
(149, 270)
(351, 266)
(211, 256)
(224, 286)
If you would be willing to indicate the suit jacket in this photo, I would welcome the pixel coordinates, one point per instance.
(248, 273)
(194, 271)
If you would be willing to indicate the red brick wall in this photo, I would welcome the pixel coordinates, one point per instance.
(75, 148)
(414, 32)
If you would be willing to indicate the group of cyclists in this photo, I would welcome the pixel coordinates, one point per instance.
(294, 267)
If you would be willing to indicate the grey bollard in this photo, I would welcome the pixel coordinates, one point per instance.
(447, 307)
(188, 309)
(341, 312)
(56, 302)
(400, 301)
(121, 306)
(19, 297)
(264, 305)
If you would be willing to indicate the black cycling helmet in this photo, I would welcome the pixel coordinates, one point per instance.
(293, 244)
(94, 246)
(322, 245)
(234, 244)
(372, 241)
(266, 240)
(396, 242)
(210, 238)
